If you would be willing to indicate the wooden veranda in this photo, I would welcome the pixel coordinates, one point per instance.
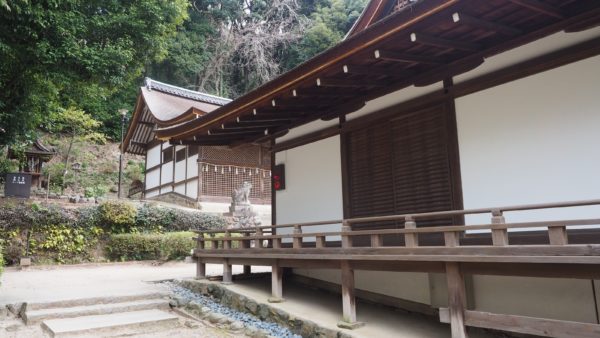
(556, 250)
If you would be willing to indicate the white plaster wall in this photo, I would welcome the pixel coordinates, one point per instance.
(564, 299)
(543, 46)
(166, 190)
(306, 129)
(153, 156)
(192, 166)
(180, 171)
(180, 189)
(313, 185)
(192, 189)
(152, 194)
(152, 178)
(534, 140)
(167, 173)
(394, 98)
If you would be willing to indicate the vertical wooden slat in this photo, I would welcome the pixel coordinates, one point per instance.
(457, 299)
(258, 243)
(227, 277)
(410, 240)
(348, 298)
(276, 284)
(276, 243)
(297, 240)
(376, 241)
(451, 239)
(558, 235)
(245, 243)
(200, 266)
(227, 241)
(346, 240)
(320, 241)
(499, 236)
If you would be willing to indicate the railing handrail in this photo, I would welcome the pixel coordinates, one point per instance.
(438, 229)
(416, 216)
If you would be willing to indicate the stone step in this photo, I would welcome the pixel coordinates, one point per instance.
(115, 324)
(36, 316)
(94, 301)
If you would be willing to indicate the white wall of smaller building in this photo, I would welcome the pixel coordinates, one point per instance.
(167, 173)
(180, 171)
(192, 189)
(153, 156)
(192, 166)
(153, 178)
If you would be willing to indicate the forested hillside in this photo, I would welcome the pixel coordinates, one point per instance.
(91, 56)
(68, 67)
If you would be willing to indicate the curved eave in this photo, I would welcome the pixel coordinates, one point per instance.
(311, 68)
(424, 43)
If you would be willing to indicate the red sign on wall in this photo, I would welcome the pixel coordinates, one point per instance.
(278, 177)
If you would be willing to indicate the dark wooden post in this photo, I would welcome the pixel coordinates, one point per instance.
(457, 299)
(276, 284)
(227, 277)
(200, 265)
(499, 236)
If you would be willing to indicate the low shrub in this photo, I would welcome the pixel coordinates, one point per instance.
(126, 247)
(1, 261)
(118, 217)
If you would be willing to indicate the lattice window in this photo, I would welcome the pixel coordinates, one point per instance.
(243, 156)
(220, 180)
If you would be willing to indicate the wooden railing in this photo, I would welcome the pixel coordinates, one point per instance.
(299, 247)
(258, 237)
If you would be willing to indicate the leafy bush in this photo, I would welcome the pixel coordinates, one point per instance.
(124, 247)
(152, 218)
(185, 220)
(118, 217)
(96, 191)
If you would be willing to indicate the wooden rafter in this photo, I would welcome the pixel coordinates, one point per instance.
(372, 70)
(471, 21)
(540, 7)
(321, 92)
(429, 40)
(350, 83)
(388, 55)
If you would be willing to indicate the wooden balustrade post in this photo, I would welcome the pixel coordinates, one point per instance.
(348, 298)
(297, 241)
(411, 240)
(320, 242)
(227, 276)
(258, 243)
(558, 235)
(200, 265)
(499, 236)
(376, 241)
(276, 284)
(277, 243)
(451, 239)
(245, 243)
(346, 240)
(457, 299)
(226, 241)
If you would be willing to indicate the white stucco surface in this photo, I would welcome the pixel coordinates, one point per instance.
(313, 185)
(535, 140)
(192, 166)
(153, 156)
(152, 178)
(166, 175)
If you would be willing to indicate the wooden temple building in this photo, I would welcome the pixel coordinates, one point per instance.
(188, 173)
(35, 157)
(443, 158)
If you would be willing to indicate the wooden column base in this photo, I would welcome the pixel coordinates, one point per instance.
(200, 270)
(227, 278)
(350, 326)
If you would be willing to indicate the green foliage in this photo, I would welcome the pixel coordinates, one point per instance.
(86, 54)
(96, 191)
(125, 247)
(65, 235)
(1, 261)
(118, 217)
(134, 171)
(6, 165)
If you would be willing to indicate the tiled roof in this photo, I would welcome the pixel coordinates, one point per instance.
(182, 92)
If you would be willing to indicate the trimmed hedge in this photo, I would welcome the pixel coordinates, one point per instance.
(136, 247)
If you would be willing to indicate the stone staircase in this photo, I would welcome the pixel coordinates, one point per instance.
(102, 317)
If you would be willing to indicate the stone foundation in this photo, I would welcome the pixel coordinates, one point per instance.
(265, 312)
